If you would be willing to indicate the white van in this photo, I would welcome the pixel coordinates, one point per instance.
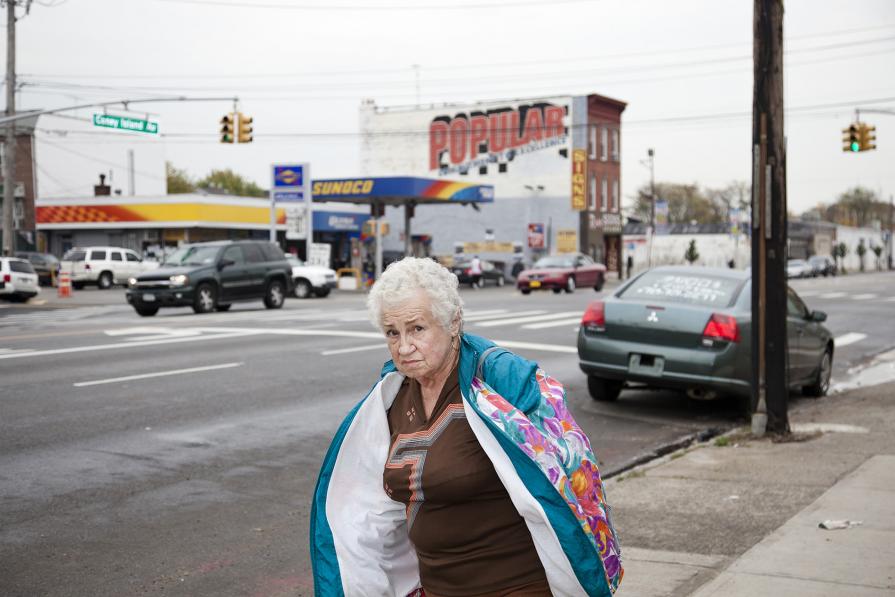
(18, 281)
(103, 266)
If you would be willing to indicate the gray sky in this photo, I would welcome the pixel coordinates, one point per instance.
(301, 68)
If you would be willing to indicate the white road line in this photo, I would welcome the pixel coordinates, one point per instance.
(504, 316)
(831, 295)
(809, 292)
(536, 346)
(850, 338)
(552, 324)
(97, 382)
(327, 353)
(120, 345)
(483, 312)
(503, 313)
(864, 297)
(533, 318)
(891, 299)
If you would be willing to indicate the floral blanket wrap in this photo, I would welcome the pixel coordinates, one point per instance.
(550, 436)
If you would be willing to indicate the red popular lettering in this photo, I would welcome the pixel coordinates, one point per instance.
(459, 131)
(438, 142)
(553, 125)
(478, 134)
(534, 125)
(498, 124)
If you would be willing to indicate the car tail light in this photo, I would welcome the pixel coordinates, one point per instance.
(7, 278)
(595, 316)
(86, 266)
(722, 327)
(468, 271)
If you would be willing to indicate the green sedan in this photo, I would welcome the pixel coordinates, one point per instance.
(689, 328)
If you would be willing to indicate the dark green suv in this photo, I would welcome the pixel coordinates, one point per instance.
(212, 276)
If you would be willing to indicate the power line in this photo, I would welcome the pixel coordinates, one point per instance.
(367, 7)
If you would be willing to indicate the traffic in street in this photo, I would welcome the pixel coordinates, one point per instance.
(178, 454)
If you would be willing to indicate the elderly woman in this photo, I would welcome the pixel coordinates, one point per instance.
(461, 472)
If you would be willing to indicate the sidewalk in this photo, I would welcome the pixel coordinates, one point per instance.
(739, 517)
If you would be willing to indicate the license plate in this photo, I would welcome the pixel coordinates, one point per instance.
(148, 297)
(535, 284)
(646, 364)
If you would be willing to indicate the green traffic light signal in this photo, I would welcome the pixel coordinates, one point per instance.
(854, 137)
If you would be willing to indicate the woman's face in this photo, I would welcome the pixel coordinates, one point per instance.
(419, 345)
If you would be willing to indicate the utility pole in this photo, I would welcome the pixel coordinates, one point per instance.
(9, 156)
(769, 337)
(891, 246)
(652, 218)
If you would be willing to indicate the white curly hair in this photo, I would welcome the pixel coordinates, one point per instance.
(402, 279)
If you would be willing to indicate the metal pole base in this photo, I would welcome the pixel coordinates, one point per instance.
(759, 424)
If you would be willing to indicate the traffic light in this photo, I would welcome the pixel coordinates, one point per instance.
(867, 137)
(227, 126)
(851, 138)
(244, 134)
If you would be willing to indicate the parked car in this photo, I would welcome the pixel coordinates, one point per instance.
(212, 276)
(18, 281)
(103, 266)
(562, 272)
(798, 268)
(822, 265)
(492, 271)
(690, 328)
(45, 265)
(310, 279)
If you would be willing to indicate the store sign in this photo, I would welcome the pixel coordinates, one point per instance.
(612, 223)
(579, 179)
(566, 241)
(487, 247)
(319, 254)
(458, 142)
(296, 222)
(536, 236)
(290, 183)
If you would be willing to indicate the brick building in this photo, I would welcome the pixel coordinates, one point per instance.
(25, 185)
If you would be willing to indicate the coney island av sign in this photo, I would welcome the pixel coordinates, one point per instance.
(465, 141)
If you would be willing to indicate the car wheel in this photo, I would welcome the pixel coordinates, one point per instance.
(557, 290)
(275, 295)
(525, 292)
(206, 298)
(77, 285)
(146, 311)
(599, 285)
(104, 281)
(222, 307)
(322, 292)
(604, 390)
(821, 384)
(302, 289)
(500, 281)
(570, 284)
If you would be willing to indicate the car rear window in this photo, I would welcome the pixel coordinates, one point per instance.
(684, 288)
(23, 267)
(74, 256)
(272, 252)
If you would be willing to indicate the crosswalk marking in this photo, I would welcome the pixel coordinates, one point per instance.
(806, 293)
(514, 320)
(864, 297)
(849, 338)
(552, 324)
(830, 295)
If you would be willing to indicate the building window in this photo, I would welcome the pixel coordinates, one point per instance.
(604, 191)
(604, 144)
(615, 203)
(615, 145)
(592, 143)
(593, 192)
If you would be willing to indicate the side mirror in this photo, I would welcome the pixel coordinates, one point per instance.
(225, 263)
(817, 316)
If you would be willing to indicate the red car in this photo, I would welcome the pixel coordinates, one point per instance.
(562, 272)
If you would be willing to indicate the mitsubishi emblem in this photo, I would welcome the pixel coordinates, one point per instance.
(653, 318)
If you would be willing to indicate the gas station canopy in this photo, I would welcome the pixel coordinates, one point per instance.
(400, 190)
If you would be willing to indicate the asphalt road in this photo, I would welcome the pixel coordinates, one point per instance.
(193, 475)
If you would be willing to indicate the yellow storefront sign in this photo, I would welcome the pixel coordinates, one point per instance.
(579, 179)
(566, 241)
(487, 247)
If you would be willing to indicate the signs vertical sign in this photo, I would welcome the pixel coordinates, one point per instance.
(291, 185)
(579, 179)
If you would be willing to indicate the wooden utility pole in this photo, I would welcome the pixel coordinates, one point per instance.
(769, 331)
(9, 153)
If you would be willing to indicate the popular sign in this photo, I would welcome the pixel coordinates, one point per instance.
(463, 141)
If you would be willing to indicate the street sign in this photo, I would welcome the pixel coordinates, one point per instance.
(291, 185)
(134, 125)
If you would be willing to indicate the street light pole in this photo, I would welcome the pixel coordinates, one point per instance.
(9, 157)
